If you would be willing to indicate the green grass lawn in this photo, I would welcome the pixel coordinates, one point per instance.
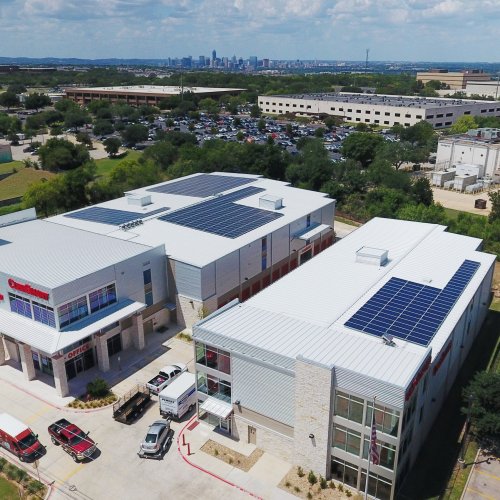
(8, 491)
(453, 214)
(16, 184)
(105, 165)
(6, 168)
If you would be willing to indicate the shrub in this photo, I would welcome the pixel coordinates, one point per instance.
(340, 487)
(34, 487)
(300, 472)
(311, 477)
(216, 452)
(348, 493)
(98, 388)
(20, 475)
(3, 462)
(309, 495)
(230, 460)
(10, 471)
(287, 484)
(296, 489)
(332, 485)
(323, 483)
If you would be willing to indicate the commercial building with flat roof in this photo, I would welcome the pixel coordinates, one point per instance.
(379, 323)
(456, 80)
(137, 95)
(486, 88)
(226, 235)
(383, 110)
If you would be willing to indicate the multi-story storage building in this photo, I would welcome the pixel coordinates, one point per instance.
(137, 95)
(226, 236)
(383, 110)
(70, 299)
(479, 147)
(381, 322)
(456, 80)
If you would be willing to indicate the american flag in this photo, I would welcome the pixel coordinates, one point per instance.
(374, 455)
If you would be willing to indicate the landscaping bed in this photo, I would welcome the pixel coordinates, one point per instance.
(231, 457)
(308, 485)
(98, 395)
(16, 483)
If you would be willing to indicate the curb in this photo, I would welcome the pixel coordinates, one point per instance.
(215, 476)
(470, 475)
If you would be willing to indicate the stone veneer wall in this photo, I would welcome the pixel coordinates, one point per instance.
(313, 407)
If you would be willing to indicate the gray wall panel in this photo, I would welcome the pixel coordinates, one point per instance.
(188, 280)
(208, 281)
(280, 245)
(227, 273)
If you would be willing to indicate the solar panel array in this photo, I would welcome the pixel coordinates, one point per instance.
(203, 185)
(411, 311)
(222, 216)
(110, 215)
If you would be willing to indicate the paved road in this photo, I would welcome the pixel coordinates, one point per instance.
(484, 482)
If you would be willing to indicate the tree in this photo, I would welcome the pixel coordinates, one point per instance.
(60, 154)
(75, 119)
(103, 127)
(495, 206)
(37, 101)
(9, 99)
(433, 214)
(84, 138)
(255, 111)
(134, 133)
(399, 152)
(361, 146)
(483, 395)
(422, 192)
(112, 145)
(209, 105)
(44, 195)
(463, 124)
(319, 132)
(261, 125)
(66, 105)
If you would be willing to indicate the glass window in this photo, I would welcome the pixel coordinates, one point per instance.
(213, 385)
(148, 296)
(200, 353)
(378, 486)
(347, 439)
(211, 357)
(387, 453)
(224, 362)
(349, 407)
(147, 276)
(201, 382)
(72, 311)
(102, 297)
(20, 305)
(44, 314)
(386, 419)
(345, 472)
(225, 390)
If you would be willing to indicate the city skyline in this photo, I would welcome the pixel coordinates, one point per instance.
(279, 30)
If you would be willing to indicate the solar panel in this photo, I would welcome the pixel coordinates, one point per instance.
(203, 185)
(222, 216)
(111, 216)
(411, 311)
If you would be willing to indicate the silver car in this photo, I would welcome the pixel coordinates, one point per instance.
(157, 439)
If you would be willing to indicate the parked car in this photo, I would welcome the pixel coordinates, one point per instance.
(72, 439)
(157, 440)
(166, 375)
(19, 439)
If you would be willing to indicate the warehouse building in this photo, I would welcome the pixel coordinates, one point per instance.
(70, 299)
(137, 95)
(456, 80)
(389, 312)
(383, 110)
(226, 236)
(479, 149)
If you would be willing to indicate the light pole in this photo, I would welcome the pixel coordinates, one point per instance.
(470, 399)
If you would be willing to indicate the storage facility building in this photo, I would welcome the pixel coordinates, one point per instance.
(382, 322)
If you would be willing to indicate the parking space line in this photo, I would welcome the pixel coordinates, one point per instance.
(38, 414)
(497, 478)
(488, 497)
(73, 471)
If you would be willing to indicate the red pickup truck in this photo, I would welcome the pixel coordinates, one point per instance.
(72, 439)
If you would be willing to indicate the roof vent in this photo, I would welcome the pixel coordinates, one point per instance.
(270, 202)
(374, 256)
(138, 200)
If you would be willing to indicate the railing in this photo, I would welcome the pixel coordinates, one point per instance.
(139, 388)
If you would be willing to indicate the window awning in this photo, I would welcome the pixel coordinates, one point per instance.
(312, 234)
(217, 407)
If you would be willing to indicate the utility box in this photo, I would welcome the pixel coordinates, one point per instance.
(439, 178)
(5, 153)
(462, 181)
(480, 203)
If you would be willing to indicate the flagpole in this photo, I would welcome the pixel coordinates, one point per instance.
(369, 450)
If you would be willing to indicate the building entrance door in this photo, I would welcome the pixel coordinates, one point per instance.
(225, 425)
(79, 365)
(252, 435)
(148, 327)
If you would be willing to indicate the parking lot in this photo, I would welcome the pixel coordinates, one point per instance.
(115, 470)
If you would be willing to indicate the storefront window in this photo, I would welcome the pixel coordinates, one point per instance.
(72, 311)
(386, 419)
(201, 383)
(347, 439)
(345, 472)
(224, 362)
(44, 314)
(225, 391)
(378, 486)
(114, 344)
(102, 298)
(20, 305)
(213, 385)
(349, 407)
(213, 358)
(200, 353)
(147, 276)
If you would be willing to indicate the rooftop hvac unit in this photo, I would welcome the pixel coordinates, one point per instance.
(270, 202)
(374, 256)
(139, 200)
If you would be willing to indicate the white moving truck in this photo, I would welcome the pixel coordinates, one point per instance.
(179, 397)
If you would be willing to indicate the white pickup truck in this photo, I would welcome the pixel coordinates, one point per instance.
(166, 375)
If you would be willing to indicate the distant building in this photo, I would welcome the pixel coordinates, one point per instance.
(454, 79)
(137, 95)
(384, 110)
(486, 89)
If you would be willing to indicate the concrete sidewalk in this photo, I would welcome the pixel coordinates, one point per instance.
(260, 481)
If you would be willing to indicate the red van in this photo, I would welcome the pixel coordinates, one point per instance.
(19, 439)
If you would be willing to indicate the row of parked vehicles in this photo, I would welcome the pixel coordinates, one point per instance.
(176, 390)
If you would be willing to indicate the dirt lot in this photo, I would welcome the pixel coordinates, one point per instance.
(461, 201)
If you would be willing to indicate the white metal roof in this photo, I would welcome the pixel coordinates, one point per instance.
(49, 340)
(196, 247)
(303, 314)
(52, 255)
(11, 425)
(217, 407)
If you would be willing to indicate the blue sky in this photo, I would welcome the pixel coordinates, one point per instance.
(415, 30)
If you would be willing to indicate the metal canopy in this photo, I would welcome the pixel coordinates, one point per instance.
(217, 407)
